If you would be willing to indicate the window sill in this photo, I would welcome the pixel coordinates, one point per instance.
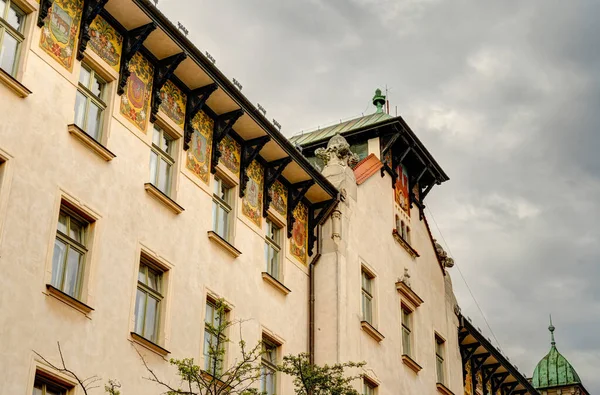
(409, 294)
(90, 143)
(411, 363)
(14, 85)
(411, 251)
(68, 299)
(142, 341)
(442, 389)
(224, 243)
(163, 198)
(370, 329)
(275, 283)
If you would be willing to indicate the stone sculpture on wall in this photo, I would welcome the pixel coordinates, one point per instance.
(253, 198)
(173, 103)
(106, 42)
(337, 152)
(60, 31)
(198, 155)
(135, 102)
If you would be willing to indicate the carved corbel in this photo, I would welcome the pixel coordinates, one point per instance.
(272, 171)
(132, 42)
(508, 388)
(223, 124)
(250, 150)
(162, 72)
(43, 11)
(195, 101)
(91, 9)
(497, 380)
(295, 195)
(314, 219)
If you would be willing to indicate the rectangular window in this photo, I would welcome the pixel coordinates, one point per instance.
(272, 249)
(148, 301)
(12, 23)
(43, 385)
(407, 331)
(214, 338)
(368, 388)
(89, 104)
(268, 368)
(69, 252)
(439, 356)
(367, 297)
(161, 160)
(222, 203)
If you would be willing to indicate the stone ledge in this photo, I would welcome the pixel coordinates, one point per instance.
(163, 198)
(275, 283)
(224, 243)
(442, 389)
(90, 143)
(68, 300)
(409, 294)
(411, 251)
(150, 345)
(411, 363)
(370, 329)
(14, 85)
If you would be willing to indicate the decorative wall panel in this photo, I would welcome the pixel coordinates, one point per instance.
(468, 379)
(230, 154)
(135, 102)
(401, 190)
(279, 195)
(299, 239)
(106, 42)
(173, 103)
(253, 198)
(60, 31)
(479, 387)
(198, 155)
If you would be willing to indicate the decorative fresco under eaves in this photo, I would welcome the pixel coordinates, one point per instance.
(479, 387)
(253, 198)
(135, 102)
(387, 158)
(198, 155)
(106, 42)
(401, 190)
(173, 103)
(299, 240)
(60, 31)
(468, 379)
(279, 195)
(230, 154)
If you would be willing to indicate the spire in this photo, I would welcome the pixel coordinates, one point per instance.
(551, 329)
(379, 101)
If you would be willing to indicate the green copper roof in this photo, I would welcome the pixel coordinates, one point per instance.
(344, 127)
(554, 370)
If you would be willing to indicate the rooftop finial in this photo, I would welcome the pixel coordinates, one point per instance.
(379, 101)
(551, 329)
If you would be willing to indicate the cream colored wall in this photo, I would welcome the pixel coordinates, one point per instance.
(44, 160)
(367, 239)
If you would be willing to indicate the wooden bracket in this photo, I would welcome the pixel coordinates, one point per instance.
(43, 11)
(314, 219)
(272, 171)
(508, 388)
(498, 379)
(163, 70)
(468, 350)
(132, 42)
(462, 336)
(195, 101)
(479, 359)
(250, 150)
(295, 195)
(91, 9)
(223, 124)
(488, 371)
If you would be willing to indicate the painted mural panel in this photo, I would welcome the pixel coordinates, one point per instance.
(468, 379)
(253, 198)
(198, 155)
(401, 189)
(173, 103)
(106, 42)
(299, 240)
(387, 158)
(479, 385)
(60, 31)
(489, 387)
(279, 194)
(135, 102)
(230, 154)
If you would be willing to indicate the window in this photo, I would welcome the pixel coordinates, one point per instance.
(368, 388)
(69, 252)
(367, 297)
(12, 23)
(407, 238)
(398, 228)
(214, 338)
(407, 331)
(272, 248)
(268, 368)
(222, 197)
(161, 160)
(89, 104)
(403, 230)
(147, 301)
(43, 386)
(439, 356)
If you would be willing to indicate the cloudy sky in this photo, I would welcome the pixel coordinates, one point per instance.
(505, 94)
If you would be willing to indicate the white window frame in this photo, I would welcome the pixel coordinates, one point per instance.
(223, 206)
(367, 281)
(158, 294)
(273, 250)
(268, 366)
(440, 364)
(165, 155)
(91, 98)
(407, 331)
(17, 34)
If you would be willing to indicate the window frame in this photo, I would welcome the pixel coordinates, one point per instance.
(407, 330)
(157, 294)
(367, 294)
(440, 365)
(269, 365)
(273, 244)
(91, 98)
(161, 154)
(210, 301)
(226, 205)
(44, 380)
(19, 36)
(369, 388)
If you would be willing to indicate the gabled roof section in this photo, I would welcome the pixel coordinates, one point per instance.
(366, 168)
